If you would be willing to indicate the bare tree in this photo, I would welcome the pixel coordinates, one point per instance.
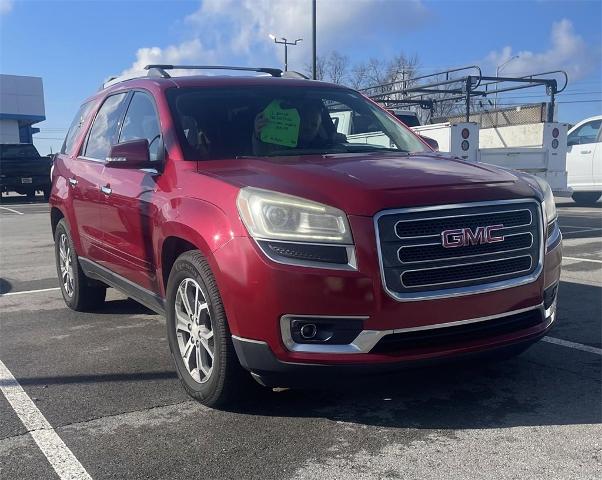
(337, 67)
(381, 76)
(333, 67)
(321, 62)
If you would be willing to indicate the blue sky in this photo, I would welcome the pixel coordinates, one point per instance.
(75, 45)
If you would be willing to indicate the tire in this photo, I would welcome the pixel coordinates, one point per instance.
(78, 291)
(31, 194)
(46, 191)
(214, 381)
(586, 198)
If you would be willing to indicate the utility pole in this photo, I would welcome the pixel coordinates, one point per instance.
(313, 39)
(286, 43)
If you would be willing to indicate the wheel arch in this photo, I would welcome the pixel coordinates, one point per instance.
(56, 214)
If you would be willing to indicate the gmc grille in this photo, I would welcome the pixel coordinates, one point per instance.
(416, 264)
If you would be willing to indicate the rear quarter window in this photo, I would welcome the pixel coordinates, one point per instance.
(76, 127)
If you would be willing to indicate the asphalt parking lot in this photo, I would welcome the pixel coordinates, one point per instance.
(105, 385)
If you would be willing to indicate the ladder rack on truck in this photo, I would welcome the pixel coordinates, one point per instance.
(534, 145)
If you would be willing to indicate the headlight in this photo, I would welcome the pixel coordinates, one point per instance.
(549, 205)
(276, 216)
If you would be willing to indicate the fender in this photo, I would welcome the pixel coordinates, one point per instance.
(61, 200)
(203, 224)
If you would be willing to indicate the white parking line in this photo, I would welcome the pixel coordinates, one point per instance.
(583, 230)
(580, 227)
(576, 346)
(29, 291)
(54, 449)
(577, 259)
(11, 210)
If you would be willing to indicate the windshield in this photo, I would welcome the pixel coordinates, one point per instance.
(266, 121)
(19, 150)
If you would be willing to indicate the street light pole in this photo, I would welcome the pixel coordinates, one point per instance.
(498, 69)
(313, 40)
(286, 43)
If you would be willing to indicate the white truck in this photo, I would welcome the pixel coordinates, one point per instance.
(539, 148)
(584, 160)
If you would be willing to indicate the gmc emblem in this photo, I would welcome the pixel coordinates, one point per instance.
(462, 237)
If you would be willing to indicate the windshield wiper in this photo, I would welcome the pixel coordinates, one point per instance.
(371, 148)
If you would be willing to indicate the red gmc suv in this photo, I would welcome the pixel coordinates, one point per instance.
(278, 246)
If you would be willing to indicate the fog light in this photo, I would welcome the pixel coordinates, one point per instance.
(323, 330)
(549, 295)
(308, 331)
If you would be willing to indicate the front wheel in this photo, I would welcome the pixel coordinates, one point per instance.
(199, 337)
(586, 198)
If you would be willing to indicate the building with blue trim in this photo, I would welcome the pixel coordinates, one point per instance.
(21, 107)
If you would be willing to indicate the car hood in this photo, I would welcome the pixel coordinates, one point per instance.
(363, 184)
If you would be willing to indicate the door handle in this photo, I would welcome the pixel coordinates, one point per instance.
(106, 190)
(586, 151)
(73, 181)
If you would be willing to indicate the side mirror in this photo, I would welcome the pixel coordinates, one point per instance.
(132, 154)
(431, 142)
(572, 141)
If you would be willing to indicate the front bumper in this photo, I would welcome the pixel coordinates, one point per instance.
(258, 293)
(257, 357)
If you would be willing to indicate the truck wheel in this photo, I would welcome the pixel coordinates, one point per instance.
(79, 294)
(46, 191)
(199, 337)
(31, 194)
(586, 198)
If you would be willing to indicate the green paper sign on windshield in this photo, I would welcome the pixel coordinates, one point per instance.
(282, 126)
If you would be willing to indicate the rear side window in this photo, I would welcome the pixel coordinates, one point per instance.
(103, 131)
(586, 133)
(75, 127)
(141, 122)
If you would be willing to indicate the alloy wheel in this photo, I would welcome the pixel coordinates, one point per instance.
(66, 265)
(194, 330)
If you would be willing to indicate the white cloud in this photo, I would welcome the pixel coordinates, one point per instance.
(226, 31)
(568, 51)
(190, 51)
(6, 6)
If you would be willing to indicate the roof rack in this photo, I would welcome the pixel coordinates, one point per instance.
(464, 87)
(160, 70)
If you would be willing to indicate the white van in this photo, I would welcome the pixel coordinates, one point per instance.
(584, 160)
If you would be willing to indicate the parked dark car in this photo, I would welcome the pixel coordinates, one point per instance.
(23, 170)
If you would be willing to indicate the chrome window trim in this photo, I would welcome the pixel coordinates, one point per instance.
(457, 216)
(461, 291)
(462, 265)
(463, 256)
(351, 264)
(367, 339)
(90, 159)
